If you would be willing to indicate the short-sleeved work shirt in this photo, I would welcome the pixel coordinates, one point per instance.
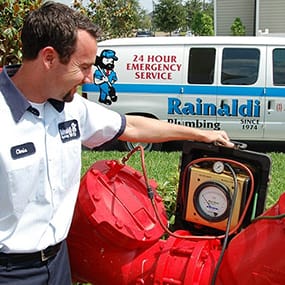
(40, 163)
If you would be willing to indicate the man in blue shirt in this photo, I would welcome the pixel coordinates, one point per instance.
(46, 122)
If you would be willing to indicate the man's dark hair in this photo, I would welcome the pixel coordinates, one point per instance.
(56, 25)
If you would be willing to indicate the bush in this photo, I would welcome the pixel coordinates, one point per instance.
(12, 15)
(237, 28)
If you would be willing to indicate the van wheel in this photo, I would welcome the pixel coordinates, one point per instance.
(128, 146)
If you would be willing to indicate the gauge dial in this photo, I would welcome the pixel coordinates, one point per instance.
(212, 201)
(218, 167)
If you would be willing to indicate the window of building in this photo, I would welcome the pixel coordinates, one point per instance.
(201, 65)
(240, 66)
(279, 66)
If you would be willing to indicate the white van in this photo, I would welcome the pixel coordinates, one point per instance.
(232, 83)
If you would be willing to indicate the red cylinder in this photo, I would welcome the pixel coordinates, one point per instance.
(115, 235)
(113, 220)
(185, 261)
(256, 255)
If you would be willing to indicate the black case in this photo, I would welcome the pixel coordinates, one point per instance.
(259, 164)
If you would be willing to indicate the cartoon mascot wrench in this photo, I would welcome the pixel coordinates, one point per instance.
(105, 76)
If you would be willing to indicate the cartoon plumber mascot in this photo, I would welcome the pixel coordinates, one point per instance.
(105, 76)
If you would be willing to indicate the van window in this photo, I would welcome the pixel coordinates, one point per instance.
(240, 66)
(279, 66)
(201, 65)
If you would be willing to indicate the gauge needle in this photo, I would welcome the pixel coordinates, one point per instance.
(209, 205)
(206, 200)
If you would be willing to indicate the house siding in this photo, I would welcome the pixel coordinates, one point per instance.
(228, 10)
(271, 16)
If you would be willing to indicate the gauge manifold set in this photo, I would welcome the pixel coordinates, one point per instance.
(218, 183)
(210, 197)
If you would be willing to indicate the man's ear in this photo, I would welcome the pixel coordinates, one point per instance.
(49, 56)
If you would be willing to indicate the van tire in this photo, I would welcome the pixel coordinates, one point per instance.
(128, 146)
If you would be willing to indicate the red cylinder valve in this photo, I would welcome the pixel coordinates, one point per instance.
(115, 235)
(113, 220)
(115, 238)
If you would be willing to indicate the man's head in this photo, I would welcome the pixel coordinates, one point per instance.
(55, 25)
(59, 50)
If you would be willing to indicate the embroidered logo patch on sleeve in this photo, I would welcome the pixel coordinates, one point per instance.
(69, 130)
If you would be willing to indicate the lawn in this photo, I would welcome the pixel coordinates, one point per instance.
(163, 167)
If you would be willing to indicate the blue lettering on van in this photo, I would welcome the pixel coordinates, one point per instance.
(251, 108)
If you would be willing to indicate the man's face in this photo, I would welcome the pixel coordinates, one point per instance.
(79, 69)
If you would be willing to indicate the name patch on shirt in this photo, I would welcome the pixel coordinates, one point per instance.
(22, 150)
(69, 130)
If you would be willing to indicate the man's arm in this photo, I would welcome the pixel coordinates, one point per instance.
(142, 129)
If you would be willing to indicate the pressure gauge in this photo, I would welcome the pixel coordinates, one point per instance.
(212, 201)
(218, 167)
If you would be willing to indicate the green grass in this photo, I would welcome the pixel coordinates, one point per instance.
(164, 166)
(160, 165)
(277, 180)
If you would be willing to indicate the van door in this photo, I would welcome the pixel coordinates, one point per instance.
(275, 94)
(240, 92)
(199, 92)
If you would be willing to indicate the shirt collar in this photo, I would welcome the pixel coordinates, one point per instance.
(58, 105)
(16, 101)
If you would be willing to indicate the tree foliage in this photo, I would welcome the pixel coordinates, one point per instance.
(145, 20)
(195, 15)
(115, 18)
(202, 24)
(169, 15)
(12, 13)
(208, 8)
(191, 8)
(237, 28)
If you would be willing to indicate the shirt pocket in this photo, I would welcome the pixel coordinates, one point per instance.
(26, 184)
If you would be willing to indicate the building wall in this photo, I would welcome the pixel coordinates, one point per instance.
(271, 16)
(226, 11)
(258, 16)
